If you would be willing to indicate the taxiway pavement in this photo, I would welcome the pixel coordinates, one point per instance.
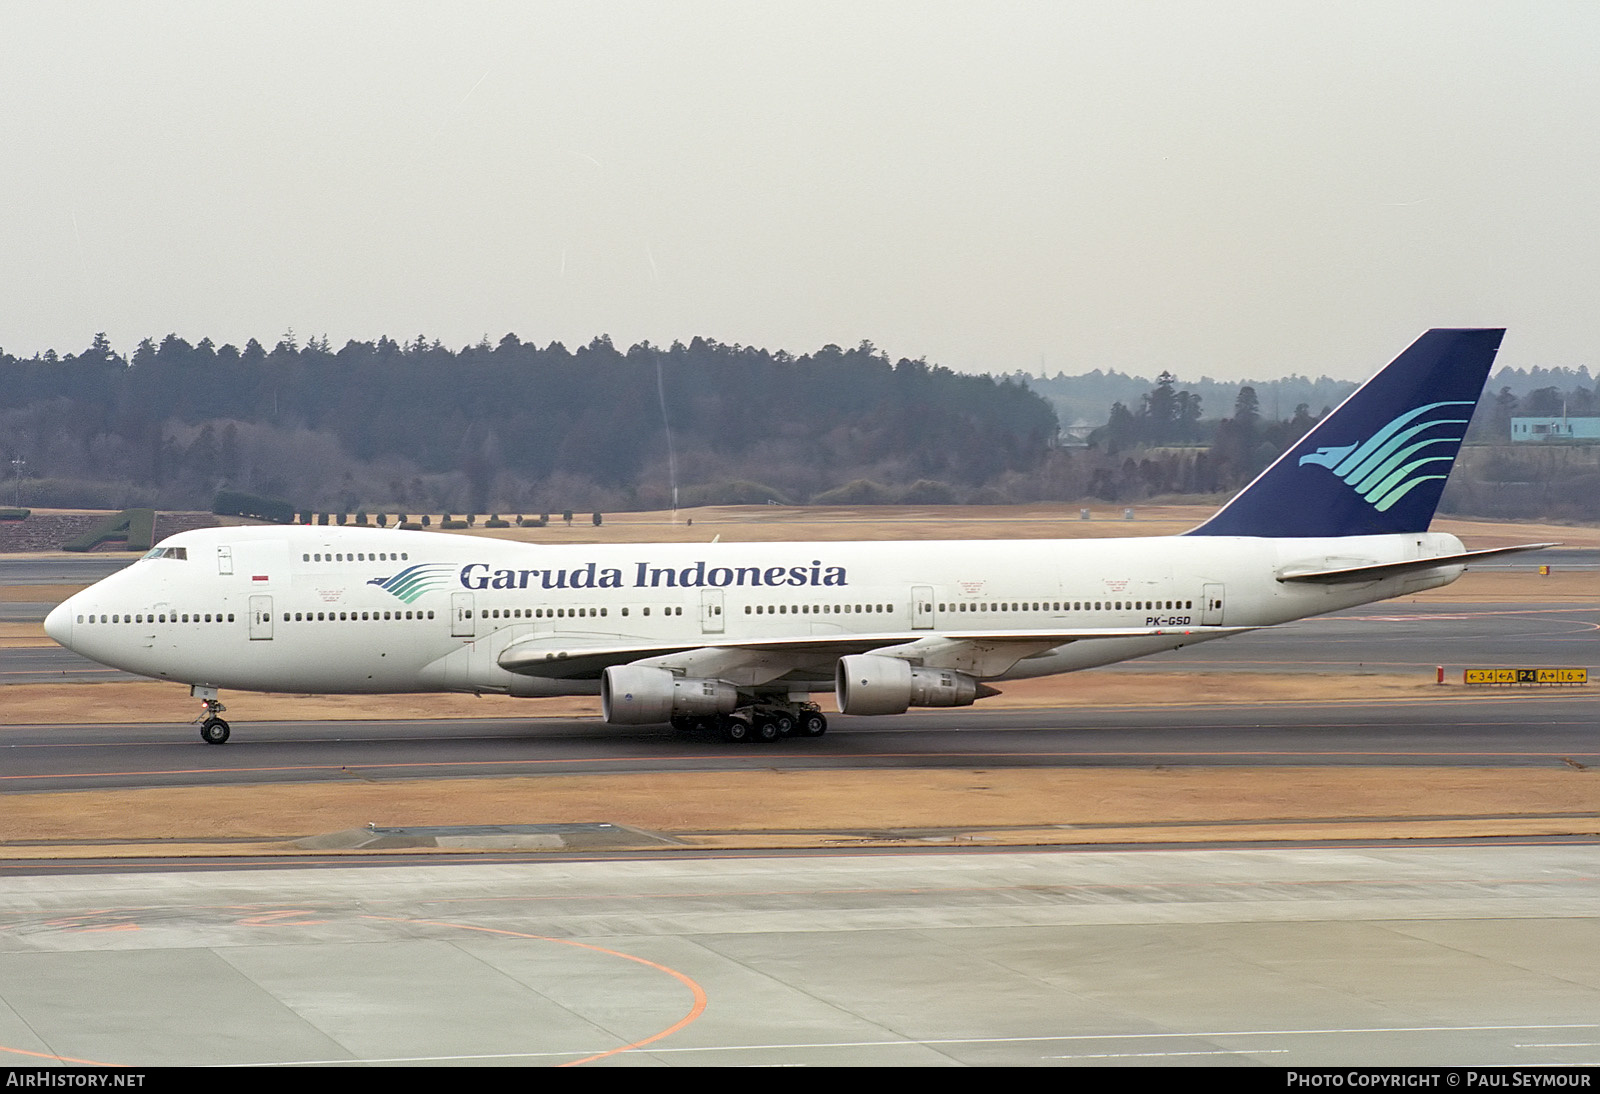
(1529, 729)
(1390, 955)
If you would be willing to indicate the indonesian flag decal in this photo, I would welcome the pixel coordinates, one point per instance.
(258, 577)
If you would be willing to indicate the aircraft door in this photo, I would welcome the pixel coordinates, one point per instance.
(260, 618)
(224, 560)
(1211, 606)
(461, 622)
(711, 611)
(922, 608)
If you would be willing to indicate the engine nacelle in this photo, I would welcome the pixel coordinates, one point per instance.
(868, 684)
(637, 695)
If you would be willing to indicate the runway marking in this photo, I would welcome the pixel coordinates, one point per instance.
(287, 917)
(1080, 1037)
(277, 918)
(58, 1059)
(694, 1012)
(934, 1042)
(96, 920)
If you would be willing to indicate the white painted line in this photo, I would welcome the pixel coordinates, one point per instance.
(899, 1043)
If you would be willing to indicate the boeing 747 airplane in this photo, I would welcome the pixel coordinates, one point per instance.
(737, 637)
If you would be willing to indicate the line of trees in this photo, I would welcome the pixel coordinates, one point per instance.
(511, 425)
(515, 427)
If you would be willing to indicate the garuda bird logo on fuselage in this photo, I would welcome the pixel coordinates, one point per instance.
(409, 584)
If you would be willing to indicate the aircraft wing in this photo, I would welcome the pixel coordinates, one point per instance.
(1376, 570)
(575, 657)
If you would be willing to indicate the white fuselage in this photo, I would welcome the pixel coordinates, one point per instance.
(311, 609)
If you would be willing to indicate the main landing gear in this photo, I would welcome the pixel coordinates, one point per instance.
(213, 730)
(764, 722)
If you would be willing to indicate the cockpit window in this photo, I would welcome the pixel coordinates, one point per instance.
(181, 553)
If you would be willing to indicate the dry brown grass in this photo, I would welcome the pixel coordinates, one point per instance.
(768, 808)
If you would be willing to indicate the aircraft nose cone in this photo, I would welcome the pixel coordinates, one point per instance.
(58, 624)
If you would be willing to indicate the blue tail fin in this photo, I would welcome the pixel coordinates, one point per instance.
(1378, 463)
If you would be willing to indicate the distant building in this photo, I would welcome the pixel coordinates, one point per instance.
(1525, 430)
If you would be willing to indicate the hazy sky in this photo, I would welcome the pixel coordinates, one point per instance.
(1236, 189)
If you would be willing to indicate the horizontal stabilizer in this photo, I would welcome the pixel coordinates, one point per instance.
(1377, 570)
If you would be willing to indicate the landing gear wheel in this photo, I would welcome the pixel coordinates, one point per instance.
(768, 729)
(813, 725)
(736, 730)
(213, 730)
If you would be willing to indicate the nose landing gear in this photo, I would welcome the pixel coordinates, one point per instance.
(213, 730)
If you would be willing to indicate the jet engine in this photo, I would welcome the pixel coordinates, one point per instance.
(636, 695)
(869, 684)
